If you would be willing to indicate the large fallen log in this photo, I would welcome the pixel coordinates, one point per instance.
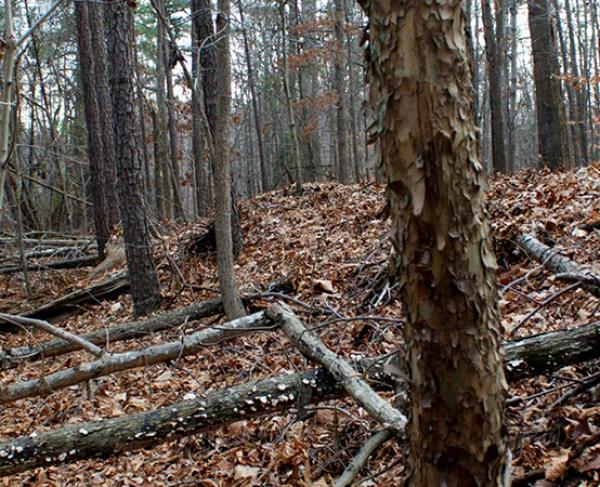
(113, 436)
(148, 429)
(559, 264)
(48, 242)
(111, 287)
(188, 345)
(86, 261)
(13, 357)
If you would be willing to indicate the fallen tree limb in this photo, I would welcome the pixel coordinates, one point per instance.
(110, 364)
(111, 437)
(559, 264)
(313, 348)
(71, 338)
(48, 242)
(362, 457)
(127, 331)
(86, 261)
(546, 352)
(111, 287)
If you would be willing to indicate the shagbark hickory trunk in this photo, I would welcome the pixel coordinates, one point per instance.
(138, 248)
(421, 85)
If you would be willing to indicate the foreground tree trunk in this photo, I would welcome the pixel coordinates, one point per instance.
(444, 261)
(222, 171)
(138, 247)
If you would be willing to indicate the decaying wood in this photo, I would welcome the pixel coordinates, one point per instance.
(48, 242)
(110, 364)
(523, 358)
(106, 336)
(559, 264)
(110, 287)
(148, 429)
(313, 348)
(86, 261)
(71, 338)
(362, 457)
(544, 353)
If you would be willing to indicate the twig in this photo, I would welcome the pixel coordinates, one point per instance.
(361, 458)
(588, 383)
(57, 332)
(543, 304)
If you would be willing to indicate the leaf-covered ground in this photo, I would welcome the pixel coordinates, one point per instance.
(329, 248)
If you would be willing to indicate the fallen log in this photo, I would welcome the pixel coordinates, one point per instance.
(111, 437)
(314, 349)
(111, 287)
(188, 345)
(48, 242)
(13, 357)
(559, 264)
(86, 261)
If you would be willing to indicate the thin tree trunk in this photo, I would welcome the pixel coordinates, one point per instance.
(222, 170)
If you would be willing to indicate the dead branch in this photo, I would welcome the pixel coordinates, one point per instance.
(557, 263)
(355, 385)
(75, 340)
(127, 331)
(523, 358)
(112, 437)
(110, 364)
(86, 261)
(362, 457)
(110, 287)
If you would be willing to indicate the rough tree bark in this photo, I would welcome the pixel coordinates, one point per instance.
(232, 303)
(138, 247)
(495, 63)
(92, 118)
(421, 86)
(553, 146)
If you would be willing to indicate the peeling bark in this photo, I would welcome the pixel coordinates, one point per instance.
(422, 95)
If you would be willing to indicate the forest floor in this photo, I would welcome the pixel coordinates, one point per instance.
(330, 248)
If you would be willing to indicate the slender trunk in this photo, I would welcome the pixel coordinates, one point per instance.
(222, 170)
(344, 162)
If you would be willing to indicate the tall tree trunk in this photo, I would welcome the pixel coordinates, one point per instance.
(138, 247)
(265, 180)
(161, 160)
(579, 93)
(92, 117)
(444, 259)
(222, 169)
(344, 162)
(512, 112)
(552, 136)
(495, 63)
(102, 90)
(296, 163)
